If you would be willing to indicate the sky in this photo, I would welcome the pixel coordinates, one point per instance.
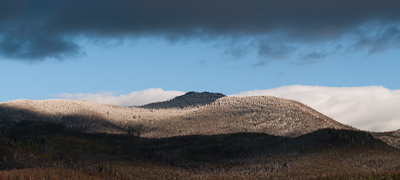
(340, 57)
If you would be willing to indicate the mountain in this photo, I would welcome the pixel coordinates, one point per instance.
(225, 115)
(194, 136)
(190, 99)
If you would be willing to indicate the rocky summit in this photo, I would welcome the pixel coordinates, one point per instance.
(190, 99)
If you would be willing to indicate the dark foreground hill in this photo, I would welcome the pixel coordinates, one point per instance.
(48, 150)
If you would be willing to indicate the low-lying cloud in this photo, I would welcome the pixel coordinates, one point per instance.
(135, 98)
(373, 108)
(37, 29)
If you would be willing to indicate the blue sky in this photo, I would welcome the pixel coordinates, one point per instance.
(75, 49)
(188, 66)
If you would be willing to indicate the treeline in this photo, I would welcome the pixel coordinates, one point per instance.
(190, 99)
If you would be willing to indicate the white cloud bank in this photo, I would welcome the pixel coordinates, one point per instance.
(135, 98)
(372, 108)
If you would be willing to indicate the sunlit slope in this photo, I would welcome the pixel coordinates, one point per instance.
(263, 114)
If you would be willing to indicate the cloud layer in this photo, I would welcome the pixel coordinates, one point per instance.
(37, 29)
(136, 98)
(372, 108)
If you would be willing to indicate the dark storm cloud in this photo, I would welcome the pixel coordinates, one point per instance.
(380, 40)
(37, 45)
(37, 29)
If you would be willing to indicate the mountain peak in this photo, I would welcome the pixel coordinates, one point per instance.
(189, 99)
(204, 94)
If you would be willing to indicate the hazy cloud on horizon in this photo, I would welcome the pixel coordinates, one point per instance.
(35, 30)
(135, 98)
(373, 108)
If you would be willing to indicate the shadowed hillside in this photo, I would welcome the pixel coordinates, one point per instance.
(50, 150)
(190, 99)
